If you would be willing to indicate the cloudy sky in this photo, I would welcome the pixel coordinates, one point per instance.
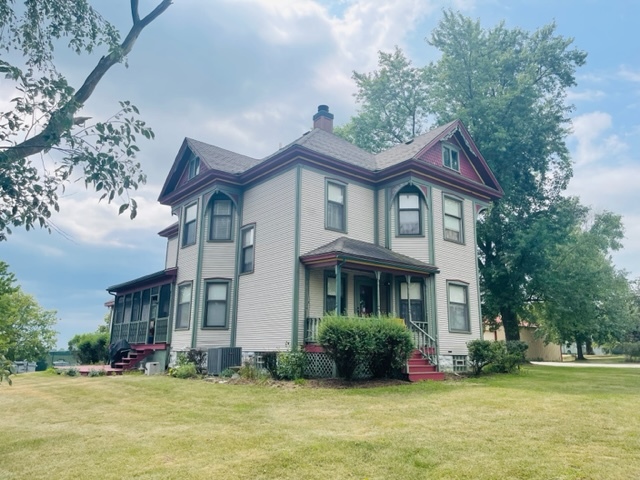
(247, 75)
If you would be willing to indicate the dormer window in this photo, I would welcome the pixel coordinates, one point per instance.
(450, 158)
(194, 166)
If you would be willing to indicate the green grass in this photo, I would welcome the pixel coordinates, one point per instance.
(545, 423)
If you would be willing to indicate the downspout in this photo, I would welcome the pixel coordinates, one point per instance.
(409, 298)
(377, 272)
(339, 285)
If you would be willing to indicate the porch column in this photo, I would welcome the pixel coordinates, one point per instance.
(409, 297)
(378, 292)
(338, 288)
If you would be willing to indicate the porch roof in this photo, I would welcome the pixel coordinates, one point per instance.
(157, 278)
(365, 256)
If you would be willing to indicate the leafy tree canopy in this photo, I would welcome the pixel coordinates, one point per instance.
(44, 115)
(508, 86)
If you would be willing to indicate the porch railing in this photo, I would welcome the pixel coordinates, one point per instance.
(134, 332)
(311, 325)
(424, 342)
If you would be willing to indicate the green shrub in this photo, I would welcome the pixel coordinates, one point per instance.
(381, 343)
(249, 371)
(391, 346)
(480, 354)
(291, 365)
(97, 372)
(501, 360)
(198, 358)
(227, 373)
(270, 362)
(631, 351)
(346, 341)
(52, 371)
(517, 348)
(72, 372)
(90, 348)
(6, 370)
(186, 370)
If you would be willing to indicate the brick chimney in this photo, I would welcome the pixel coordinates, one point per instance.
(323, 119)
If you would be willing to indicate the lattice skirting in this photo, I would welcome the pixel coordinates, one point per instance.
(319, 365)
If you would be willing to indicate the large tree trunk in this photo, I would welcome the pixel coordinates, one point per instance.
(579, 349)
(590, 347)
(510, 324)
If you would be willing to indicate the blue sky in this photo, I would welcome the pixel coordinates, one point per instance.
(247, 75)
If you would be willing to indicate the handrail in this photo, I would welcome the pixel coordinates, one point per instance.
(425, 343)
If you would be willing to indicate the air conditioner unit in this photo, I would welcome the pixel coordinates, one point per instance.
(152, 368)
(219, 359)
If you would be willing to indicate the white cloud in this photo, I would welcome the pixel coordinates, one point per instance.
(588, 130)
(627, 73)
(84, 220)
(585, 95)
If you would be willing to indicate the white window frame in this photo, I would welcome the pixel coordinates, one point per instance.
(188, 224)
(248, 245)
(206, 320)
(182, 305)
(454, 304)
(448, 161)
(214, 216)
(451, 217)
(415, 193)
(327, 223)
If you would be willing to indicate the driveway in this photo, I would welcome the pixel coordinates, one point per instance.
(583, 364)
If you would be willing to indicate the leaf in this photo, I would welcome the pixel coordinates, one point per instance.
(122, 208)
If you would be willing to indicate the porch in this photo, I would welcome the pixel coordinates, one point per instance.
(357, 278)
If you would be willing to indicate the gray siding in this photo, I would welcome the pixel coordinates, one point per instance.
(218, 261)
(359, 212)
(187, 269)
(416, 247)
(265, 297)
(456, 262)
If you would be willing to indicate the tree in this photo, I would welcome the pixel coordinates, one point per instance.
(394, 104)
(508, 87)
(45, 111)
(90, 348)
(584, 298)
(26, 329)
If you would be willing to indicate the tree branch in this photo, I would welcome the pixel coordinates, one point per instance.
(62, 119)
(135, 15)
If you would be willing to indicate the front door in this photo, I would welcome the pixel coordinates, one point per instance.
(365, 289)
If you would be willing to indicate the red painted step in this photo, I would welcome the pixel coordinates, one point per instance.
(419, 368)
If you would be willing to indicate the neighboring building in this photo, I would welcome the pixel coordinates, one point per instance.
(264, 247)
(538, 350)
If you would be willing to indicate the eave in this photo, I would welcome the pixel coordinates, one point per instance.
(146, 281)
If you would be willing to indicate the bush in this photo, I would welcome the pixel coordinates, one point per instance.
(502, 357)
(480, 354)
(249, 371)
(291, 365)
(72, 372)
(391, 346)
(381, 343)
(227, 373)
(187, 370)
(199, 359)
(346, 341)
(270, 362)
(90, 348)
(631, 351)
(97, 372)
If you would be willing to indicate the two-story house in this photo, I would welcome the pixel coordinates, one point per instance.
(264, 247)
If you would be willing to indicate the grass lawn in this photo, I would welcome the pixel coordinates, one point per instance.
(545, 423)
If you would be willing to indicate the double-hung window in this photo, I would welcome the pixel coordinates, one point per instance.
(248, 251)
(411, 299)
(335, 207)
(450, 158)
(330, 288)
(458, 308)
(409, 214)
(221, 219)
(453, 220)
(189, 225)
(183, 314)
(217, 295)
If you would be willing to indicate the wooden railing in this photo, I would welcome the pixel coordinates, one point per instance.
(137, 332)
(424, 342)
(311, 325)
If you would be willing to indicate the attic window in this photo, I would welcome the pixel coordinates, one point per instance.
(450, 158)
(194, 166)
